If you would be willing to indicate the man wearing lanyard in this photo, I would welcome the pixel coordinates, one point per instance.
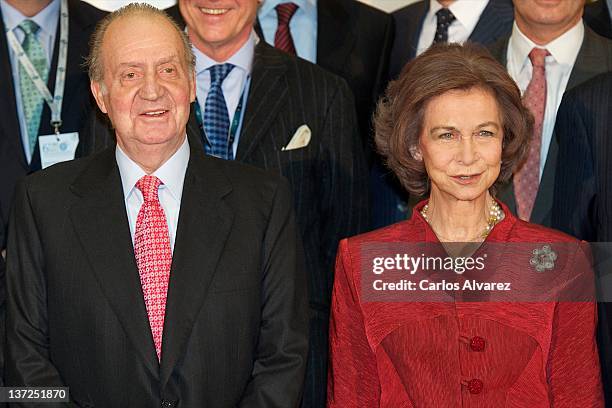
(32, 32)
(297, 120)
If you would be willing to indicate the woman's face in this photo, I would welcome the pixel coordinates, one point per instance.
(461, 143)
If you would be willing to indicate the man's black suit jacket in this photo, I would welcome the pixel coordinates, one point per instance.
(494, 23)
(597, 16)
(328, 177)
(235, 331)
(354, 42)
(77, 102)
(582, 203)
(583, 182)
(594, 57)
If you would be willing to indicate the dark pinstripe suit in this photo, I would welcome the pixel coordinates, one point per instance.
(354, 42)
(582, 204)
(328, 177)
(594, 57)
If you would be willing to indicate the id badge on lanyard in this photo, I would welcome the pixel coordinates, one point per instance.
(65, 142)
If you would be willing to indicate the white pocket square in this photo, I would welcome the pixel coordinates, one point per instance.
(300, 138)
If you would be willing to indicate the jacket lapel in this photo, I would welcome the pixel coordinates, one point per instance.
(8, 106)
(100, 221)
(267, 94)
(333, 50)
(205, 221)
(593, 58)
(495, 21)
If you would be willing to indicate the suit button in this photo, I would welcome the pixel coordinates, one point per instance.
(475, 386)
(477, 343)
(167, 404)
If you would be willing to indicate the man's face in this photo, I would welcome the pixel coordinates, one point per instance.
(549, 14)
(214, 24)
(147, 87)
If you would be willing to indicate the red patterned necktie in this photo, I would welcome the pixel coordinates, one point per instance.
(282, 39)
(527, 178)
(153, 256)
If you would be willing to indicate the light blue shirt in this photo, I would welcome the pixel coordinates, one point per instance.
(172, 175)
(47, 19)
(610, 8)
(235, 85)
(303, 26)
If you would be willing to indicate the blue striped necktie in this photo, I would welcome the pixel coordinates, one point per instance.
(216, 118)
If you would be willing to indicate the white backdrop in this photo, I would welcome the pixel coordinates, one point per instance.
(387, 5)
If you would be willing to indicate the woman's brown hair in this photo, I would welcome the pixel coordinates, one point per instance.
(445, 67)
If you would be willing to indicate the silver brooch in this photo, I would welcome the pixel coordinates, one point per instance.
(543, 259)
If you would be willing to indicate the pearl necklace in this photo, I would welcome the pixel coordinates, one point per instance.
(495, 215)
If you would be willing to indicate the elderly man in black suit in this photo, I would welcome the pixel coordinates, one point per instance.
(417, 26)
(290, 117)
(151, 274)
(582, 204)
(550, 48)
(346, 37)
(26, 115)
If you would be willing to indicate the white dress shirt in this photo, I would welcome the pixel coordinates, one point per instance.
(303, 26)
(466, 12)
(47, 19)
(172, 175)
(559, 64)
(235, 85)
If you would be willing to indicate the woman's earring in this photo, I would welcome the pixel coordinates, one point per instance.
(415, 153)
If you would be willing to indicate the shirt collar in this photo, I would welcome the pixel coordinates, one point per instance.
(564, 49)
(242, 59)
(307, 6)
(46, 19)
(171, 173)
(466, 12)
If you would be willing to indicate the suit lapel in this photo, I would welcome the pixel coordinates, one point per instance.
(100, 221)
(333, 50)
(488, 28)
(418, 27)
(593, 58)
(8, 106)
(204, 223)
(267, 93)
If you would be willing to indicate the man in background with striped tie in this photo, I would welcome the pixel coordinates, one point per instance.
(261, 106)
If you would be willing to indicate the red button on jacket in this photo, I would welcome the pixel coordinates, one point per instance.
(477, 343)
(475, 386)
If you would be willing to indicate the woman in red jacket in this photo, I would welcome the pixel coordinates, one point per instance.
(453, 128)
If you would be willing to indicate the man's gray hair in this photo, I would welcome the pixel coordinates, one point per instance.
(94, 61)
